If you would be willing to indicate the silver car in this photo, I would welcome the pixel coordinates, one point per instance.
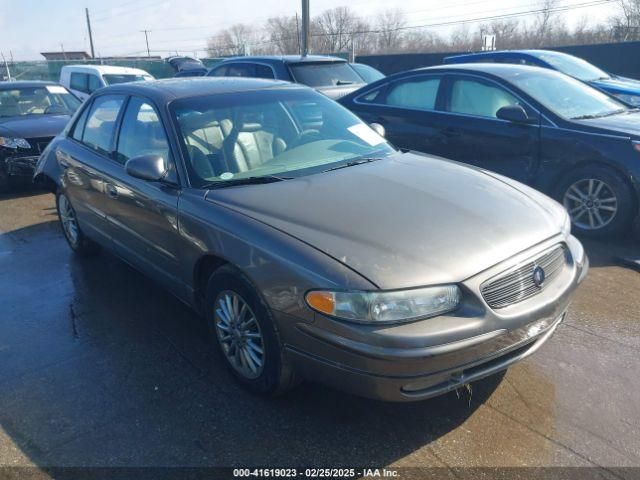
(312, 247)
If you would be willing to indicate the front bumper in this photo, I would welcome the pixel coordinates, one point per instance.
(422, 359)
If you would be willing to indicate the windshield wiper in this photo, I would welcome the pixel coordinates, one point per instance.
(245, 181)
(344, 82)
(599, 115)
(353, 163)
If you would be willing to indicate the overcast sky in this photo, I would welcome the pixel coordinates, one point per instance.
(28, 27)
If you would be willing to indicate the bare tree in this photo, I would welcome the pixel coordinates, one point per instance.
(388, 26)
(333, 30)
(282, 33)
(544, 24)
(239, 39)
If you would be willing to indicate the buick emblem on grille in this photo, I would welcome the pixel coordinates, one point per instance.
(538, 276)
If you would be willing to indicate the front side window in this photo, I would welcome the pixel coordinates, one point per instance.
(94, 83)
(141, 133)
(78, 81)
(284, 133)
(263, 71)
(240, 70)
(475, 97)
(100, 126)
(218, 72)
(419, 93)
(324, 74)
(41, 100)
(566, 96)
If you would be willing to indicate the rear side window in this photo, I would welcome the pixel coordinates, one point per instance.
(473, 97)
(418, 93)
(101, 122)
(141, 133)
(263, 71)
(78, 81)
(240, 70)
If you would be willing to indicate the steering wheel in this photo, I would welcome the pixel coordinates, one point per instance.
(305, 136)
(54, 109)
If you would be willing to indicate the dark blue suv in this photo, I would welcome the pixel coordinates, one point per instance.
(625, 89)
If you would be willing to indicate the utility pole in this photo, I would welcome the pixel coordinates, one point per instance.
(298, 34)
(86, 11)
(305, 27)
(146, 37)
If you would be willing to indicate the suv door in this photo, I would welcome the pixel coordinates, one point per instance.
(83, 159)
(142, 215)
(408, 109)
(473, 134)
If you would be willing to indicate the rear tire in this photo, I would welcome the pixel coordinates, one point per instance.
(600, 201)
(248, 341)
(77, 240)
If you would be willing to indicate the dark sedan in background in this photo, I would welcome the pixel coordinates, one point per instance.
(332, 76)
(625, 89)
(31, 114)
(314, 248)
(535, 125)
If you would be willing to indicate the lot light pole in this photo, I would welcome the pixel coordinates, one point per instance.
(305, 27)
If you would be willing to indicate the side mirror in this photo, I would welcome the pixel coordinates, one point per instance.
(146, 167)
(513, 113)
(379, 129)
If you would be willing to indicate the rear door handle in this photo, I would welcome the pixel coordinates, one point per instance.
(111, 191)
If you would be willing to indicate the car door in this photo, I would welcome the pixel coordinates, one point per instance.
(408, 109)
(83, 159)
(473, 134)
(142, 215)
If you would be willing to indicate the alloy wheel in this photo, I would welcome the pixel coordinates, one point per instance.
(591, 203)
(239, 334)
(68, 219)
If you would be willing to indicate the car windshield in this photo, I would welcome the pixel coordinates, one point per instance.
(41, 100)
(573, 66)
(270, 133)
(112, 78)
(566, 96)
(324, 74)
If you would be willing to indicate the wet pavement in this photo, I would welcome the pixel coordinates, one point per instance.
(101, 367)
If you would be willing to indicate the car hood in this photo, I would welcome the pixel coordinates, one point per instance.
(33, 126)
(404, 221)
(339, 91)
(618, 85)
(627, 123)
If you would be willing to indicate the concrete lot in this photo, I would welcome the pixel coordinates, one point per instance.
(100, 367)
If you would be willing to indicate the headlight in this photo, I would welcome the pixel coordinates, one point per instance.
(386, 307)
(628, 98)
(14, 142)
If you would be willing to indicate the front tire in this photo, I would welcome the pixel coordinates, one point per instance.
(600, 202)
(76, 239)
(244, 332)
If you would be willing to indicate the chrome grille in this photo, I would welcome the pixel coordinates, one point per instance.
(517, 284)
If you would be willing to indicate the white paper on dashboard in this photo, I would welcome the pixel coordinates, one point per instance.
(56, 89)
(365, 133)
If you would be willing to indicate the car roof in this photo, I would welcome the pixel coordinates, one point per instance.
(115, 69)
(168, 89)
(285, 59)
(497, 69)
(25, 84)
(505, 53)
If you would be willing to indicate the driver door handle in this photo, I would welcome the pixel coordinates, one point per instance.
(111, 191)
